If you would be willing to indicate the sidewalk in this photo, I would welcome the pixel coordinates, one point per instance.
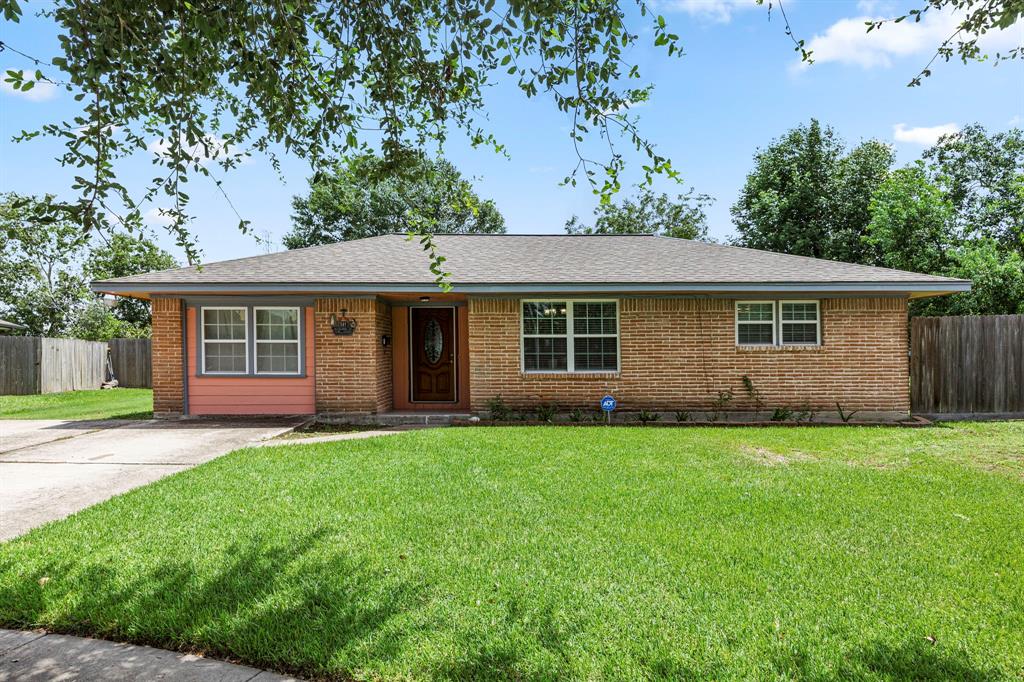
(38, 656)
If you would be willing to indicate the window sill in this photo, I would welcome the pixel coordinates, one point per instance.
(563, 374)
(791, 348)
(247, 375)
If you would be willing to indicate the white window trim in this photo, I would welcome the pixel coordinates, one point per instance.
(569, 336)
(817, 322)
(777, 323)
(203, 340)
(298, 341)
(773, 323)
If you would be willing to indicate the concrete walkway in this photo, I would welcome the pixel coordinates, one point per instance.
(50, 469)
(349, 435)
(38, 656)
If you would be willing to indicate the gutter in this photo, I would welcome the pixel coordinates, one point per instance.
(929, 287)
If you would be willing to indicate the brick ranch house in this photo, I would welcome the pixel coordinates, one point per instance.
(359, 328)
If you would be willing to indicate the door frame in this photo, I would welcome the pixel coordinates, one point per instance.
(455, 356)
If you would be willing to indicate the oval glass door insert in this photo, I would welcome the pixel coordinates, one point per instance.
(433, 341)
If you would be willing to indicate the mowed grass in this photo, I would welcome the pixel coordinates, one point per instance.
(562, 553)
(117, 403)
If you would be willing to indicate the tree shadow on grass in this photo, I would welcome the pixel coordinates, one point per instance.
(920, 660)
(909, 660)
(303, 609)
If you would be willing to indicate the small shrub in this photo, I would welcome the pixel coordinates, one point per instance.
(719, 404)
(845, 416)
(645, 417)
(754, 394)
(546, 411)
(499, 410)
(577, 415)
(782, 414)
(804, 414)
(682, 416)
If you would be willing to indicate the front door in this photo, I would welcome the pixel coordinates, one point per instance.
(433, 354)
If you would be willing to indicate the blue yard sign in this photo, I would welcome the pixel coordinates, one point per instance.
(608, 403)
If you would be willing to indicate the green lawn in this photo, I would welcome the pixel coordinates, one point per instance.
(118, 403)
(557, 553)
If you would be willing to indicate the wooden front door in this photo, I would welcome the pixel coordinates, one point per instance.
(432, 353)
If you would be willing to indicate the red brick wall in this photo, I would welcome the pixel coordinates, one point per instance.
(353, 373)
(168, 381)
(677, 353)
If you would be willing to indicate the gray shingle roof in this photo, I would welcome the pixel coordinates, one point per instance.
(508, 262)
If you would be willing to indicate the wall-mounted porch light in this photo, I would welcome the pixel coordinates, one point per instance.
(344, 325)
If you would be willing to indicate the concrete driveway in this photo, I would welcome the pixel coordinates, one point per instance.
(49, 469)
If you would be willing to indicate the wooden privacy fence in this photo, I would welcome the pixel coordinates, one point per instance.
(32, 364)
(131, 362)
(967, 365)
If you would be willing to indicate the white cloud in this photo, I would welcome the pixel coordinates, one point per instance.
(43, 90)
(719, 11)
(848, 42)
(209, 149)
(1015, 121)
(154, 217)
(923, 135)
(628, 105)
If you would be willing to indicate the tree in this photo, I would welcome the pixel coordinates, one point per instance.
(911, 224)
(983, 177)
(362, 198)
(806, 196)
(123, 255)
(919, 223)
(322, 80)
(40, 256)
(650, 213)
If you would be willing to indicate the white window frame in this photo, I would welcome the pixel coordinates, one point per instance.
(297, 341)
(203, 340)
(817, 322)
(570, 334)
(773, 323)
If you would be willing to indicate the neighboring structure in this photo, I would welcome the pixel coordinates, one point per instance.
(6, 327)
(360, 328)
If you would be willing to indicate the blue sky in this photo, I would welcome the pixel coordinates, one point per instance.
(738, 87)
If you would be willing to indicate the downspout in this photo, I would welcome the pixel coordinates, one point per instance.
(184, 359)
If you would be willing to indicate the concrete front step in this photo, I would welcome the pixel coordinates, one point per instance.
(397, 418)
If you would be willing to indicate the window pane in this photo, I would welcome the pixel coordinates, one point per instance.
(277, 357)
(754, 334)
(799, 312)
(545, 318)
(277, 325)
(225, 357)
(224, 324)
(545, 354)
(799, 332)
(595, 353)
(754, 312)
(594, 318)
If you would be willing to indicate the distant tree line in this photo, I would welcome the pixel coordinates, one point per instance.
(47, 262)
(958, 211)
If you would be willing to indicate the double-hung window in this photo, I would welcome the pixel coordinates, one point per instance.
(271, 335)
(801, 323)
(755, 323)
(225, 340)
(570, 336)
(778, 323)
(277, 340)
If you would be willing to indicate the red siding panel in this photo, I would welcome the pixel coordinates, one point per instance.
(250, 395)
